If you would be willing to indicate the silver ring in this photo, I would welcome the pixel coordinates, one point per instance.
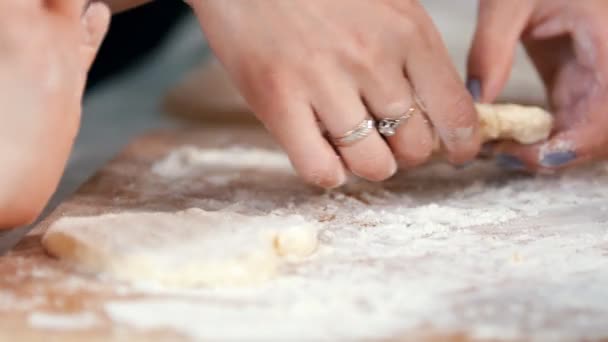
(363, 129)
(388, 126)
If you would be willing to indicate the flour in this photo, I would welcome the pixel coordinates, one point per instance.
(189, 248)
(10, 302)
(189, 158)
(435, 250)
(53, 321)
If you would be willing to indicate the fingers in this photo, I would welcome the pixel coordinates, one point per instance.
(443, 96)
(293, 124)
(389, 96)
(95, 23)
(500, 25)
(576, 145)
(340, 107)
(414, 141)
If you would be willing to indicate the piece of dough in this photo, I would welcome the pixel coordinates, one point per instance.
(182, 249)
(523, 124)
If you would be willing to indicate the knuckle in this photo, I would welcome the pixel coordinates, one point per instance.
(419, 31)
(410, 29)
(266, 80)
(396, 108)
(362, 53)
(273, 82)
(267, 93)
(359, 60)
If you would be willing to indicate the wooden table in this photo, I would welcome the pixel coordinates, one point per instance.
(41, 299)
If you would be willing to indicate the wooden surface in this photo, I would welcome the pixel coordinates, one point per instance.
(31, 282)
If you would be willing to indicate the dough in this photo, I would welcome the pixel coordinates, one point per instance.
(183, 249)
(523, 124)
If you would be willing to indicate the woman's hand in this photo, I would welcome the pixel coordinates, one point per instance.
(568, 43)
(340, 61)
(46, 49)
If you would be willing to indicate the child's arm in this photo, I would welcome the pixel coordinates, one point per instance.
(42, 76)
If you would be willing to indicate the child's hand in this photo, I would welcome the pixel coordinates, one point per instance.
(46, 49)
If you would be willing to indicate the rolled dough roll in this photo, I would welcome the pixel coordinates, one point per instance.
(523, 124)
(182, 249)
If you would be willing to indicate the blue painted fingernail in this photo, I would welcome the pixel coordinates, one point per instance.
(557, 159)
(474, 87)
(509, 162)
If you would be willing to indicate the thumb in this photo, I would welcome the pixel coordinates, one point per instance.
(500, 25)
(95, 22)
(575, 145)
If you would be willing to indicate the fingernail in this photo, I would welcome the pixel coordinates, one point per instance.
(557, 159)
(509, 162)
(474, 87)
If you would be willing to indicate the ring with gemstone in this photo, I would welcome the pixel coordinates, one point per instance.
(388, 126)
(361, 131)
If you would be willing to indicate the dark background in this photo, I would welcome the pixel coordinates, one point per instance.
(133, 35)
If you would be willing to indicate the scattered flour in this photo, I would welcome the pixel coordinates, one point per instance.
(7, 300)
(11, 302)
(474, 250)
(54, 321)
(188, 158)
(189, 248)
